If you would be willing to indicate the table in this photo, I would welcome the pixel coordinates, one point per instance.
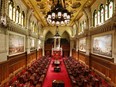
(58, 83)
(57, 69)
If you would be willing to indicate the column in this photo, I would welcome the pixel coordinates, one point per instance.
(114, 48)
(59, 42)
(28, 44)
(43, 54)
(88, 45)
(54, 42)
(77, 48)
(71, 46)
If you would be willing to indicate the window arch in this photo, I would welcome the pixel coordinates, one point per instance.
(10, 9)
(82, 26)
(22, 18)
(20, 15)
(17, 14)
(95, 18)
(110, 7)
(14, 14)
(106, 11)
(98, 16)
(102, 13)
(33, 26)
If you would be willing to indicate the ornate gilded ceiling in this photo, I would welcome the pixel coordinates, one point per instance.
(41, 7)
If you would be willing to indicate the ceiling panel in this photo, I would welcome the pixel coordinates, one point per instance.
(41, 7)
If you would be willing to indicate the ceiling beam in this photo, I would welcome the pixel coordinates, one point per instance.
(36, 11)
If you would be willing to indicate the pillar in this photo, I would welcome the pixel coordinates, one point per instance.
(88, 45)
(114, 48)
(28, 44)
(43, 50)
(71, 46)
(59, 42)
(54, 42)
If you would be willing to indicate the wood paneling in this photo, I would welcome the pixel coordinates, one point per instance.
(66, 49)
(104, 66)
(3, 71)
(15, 63)
(10, 66)
(48, 52)
(65, 53)
(48, 46)
(74, 53)
(39, 53)
(31, 57)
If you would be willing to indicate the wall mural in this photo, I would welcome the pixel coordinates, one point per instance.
(16, 44)
(82, 44)
(103, 45)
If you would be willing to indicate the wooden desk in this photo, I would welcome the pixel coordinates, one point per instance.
(57, 69)
(58, 83)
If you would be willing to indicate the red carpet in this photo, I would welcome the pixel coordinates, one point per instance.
(51, 75)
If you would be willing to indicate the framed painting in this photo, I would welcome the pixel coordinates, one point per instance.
(16, 44)
(82, 44)
(102, 45)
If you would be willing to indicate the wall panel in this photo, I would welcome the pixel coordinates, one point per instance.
(15, 64)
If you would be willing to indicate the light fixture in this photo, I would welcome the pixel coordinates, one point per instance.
(58, 15)
(57, 34)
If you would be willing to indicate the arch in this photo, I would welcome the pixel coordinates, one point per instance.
(110, 8)
(65, 35)
(23, 18)
(48, 35)
(10, 9)
(17, 14)
(101, 13)
(95, 18)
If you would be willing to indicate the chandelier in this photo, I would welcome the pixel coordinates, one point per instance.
(58, 15)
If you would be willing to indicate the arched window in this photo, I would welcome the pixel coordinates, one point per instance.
(22, 18)
(110, 8)
(95, 18)
(33, 26)
(14, 14)
(102, 13)
(98, 17)
(106, 12)
(17, 14)
(10, 9)
(84, 24)
(20, 14)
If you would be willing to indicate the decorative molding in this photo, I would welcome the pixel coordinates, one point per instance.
(12, 26)
(108, 26)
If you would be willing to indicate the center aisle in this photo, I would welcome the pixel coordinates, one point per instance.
(51, 75)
